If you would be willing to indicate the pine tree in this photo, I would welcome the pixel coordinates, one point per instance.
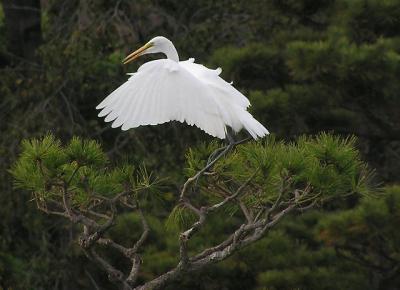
(255, 184)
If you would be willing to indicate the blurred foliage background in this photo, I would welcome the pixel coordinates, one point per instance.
(306, 66)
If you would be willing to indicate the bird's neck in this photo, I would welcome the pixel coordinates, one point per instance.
(170, 51)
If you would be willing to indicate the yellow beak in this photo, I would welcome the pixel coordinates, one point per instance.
(134, 55)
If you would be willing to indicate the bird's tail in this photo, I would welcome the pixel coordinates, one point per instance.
(255, 128)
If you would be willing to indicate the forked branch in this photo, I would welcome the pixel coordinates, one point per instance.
(98, 217)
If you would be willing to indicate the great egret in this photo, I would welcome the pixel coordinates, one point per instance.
(168, 89)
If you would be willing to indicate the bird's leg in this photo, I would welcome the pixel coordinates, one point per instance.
(219, 153)
(229, 137)
(212, 155)
(242, 141)
(215, 156)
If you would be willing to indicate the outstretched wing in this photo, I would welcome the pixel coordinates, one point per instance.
(219, 86)
(161, 91)
(233, 104)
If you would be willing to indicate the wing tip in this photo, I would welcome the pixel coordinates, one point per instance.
(100, 106)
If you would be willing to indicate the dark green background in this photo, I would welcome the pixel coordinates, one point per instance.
(306, 66)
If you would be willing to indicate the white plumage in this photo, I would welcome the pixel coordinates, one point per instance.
(168, 89)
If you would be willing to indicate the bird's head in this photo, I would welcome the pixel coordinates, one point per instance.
(155, 45)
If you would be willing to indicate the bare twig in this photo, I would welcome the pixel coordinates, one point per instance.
(190, 180)
(114, 275)
(233, 196)
(145, 233)
(246, 212)
(109, 242)
(210, 163)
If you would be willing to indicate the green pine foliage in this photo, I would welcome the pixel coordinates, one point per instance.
(45, 167)
(369, 236)
(180, 218)
(327, 166)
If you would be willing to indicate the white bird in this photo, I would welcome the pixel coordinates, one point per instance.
(164, 90)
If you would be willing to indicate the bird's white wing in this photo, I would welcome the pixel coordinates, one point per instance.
(161, 91)
(220, 87)
(233, 104)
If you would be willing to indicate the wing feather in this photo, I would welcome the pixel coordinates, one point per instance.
(113, 109)
(214, 81)
(135, 101)
(159, 92)
(109, 102)
(233, 103)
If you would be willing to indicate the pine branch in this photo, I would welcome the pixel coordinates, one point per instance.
(114, 275)
(78, 200)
